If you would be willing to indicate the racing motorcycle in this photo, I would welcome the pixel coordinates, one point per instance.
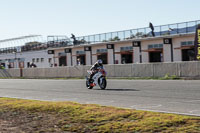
(98, 79)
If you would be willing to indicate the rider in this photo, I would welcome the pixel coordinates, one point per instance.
(95, 67)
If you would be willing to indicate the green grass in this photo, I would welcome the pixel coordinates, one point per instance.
(76, 117)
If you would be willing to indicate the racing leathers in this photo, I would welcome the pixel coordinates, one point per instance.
(95, 69)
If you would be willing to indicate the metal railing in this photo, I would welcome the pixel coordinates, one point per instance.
(35, 46)
(162, 30)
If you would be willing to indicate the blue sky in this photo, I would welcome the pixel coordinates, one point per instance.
(86, 17)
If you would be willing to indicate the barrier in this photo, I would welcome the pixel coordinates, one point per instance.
(9, 73)
(161, 69)
(180, 69)
(142, 70)
(189, 69)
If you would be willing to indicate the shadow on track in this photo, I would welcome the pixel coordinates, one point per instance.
(118, 89)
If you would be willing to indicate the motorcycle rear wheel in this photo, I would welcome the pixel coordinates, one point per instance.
(88, 85)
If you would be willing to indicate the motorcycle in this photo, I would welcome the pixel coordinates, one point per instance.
(98, 79)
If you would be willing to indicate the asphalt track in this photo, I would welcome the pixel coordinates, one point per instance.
(171, 96)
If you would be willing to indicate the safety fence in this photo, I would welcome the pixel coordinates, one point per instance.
(179, 69)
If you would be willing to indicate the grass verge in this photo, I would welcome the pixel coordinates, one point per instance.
(43, 116)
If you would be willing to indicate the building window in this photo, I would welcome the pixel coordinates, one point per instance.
(190, 42)
(42, 59)
(151, 46)
(80, 52)
(33, 60)
(187, 43)
(129, 48)
(102, 50)
(38, 60)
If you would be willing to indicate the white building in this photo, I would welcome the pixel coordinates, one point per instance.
(171, 43)
(24, 59)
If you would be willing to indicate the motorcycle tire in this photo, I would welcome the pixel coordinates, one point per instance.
(88, 85)
(103, 84)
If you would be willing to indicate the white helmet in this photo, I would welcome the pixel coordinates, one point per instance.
(100, 61)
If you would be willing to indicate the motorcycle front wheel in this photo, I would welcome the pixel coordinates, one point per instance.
(103, 84)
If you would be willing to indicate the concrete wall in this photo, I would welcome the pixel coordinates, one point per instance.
(180, 69)
(142, 70)
(4, 73)
(191, 69)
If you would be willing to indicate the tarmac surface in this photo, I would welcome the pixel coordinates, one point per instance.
(171, 96)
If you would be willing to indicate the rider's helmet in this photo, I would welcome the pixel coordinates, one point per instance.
(100, 62)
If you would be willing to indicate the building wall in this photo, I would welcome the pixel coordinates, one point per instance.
(110, 56)
(39, 54)
(167, 52)
(28, 56)
(136, 54)
(88, 57)
(117, 54)
(177, 44)
(177, 54)
(69, 59)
